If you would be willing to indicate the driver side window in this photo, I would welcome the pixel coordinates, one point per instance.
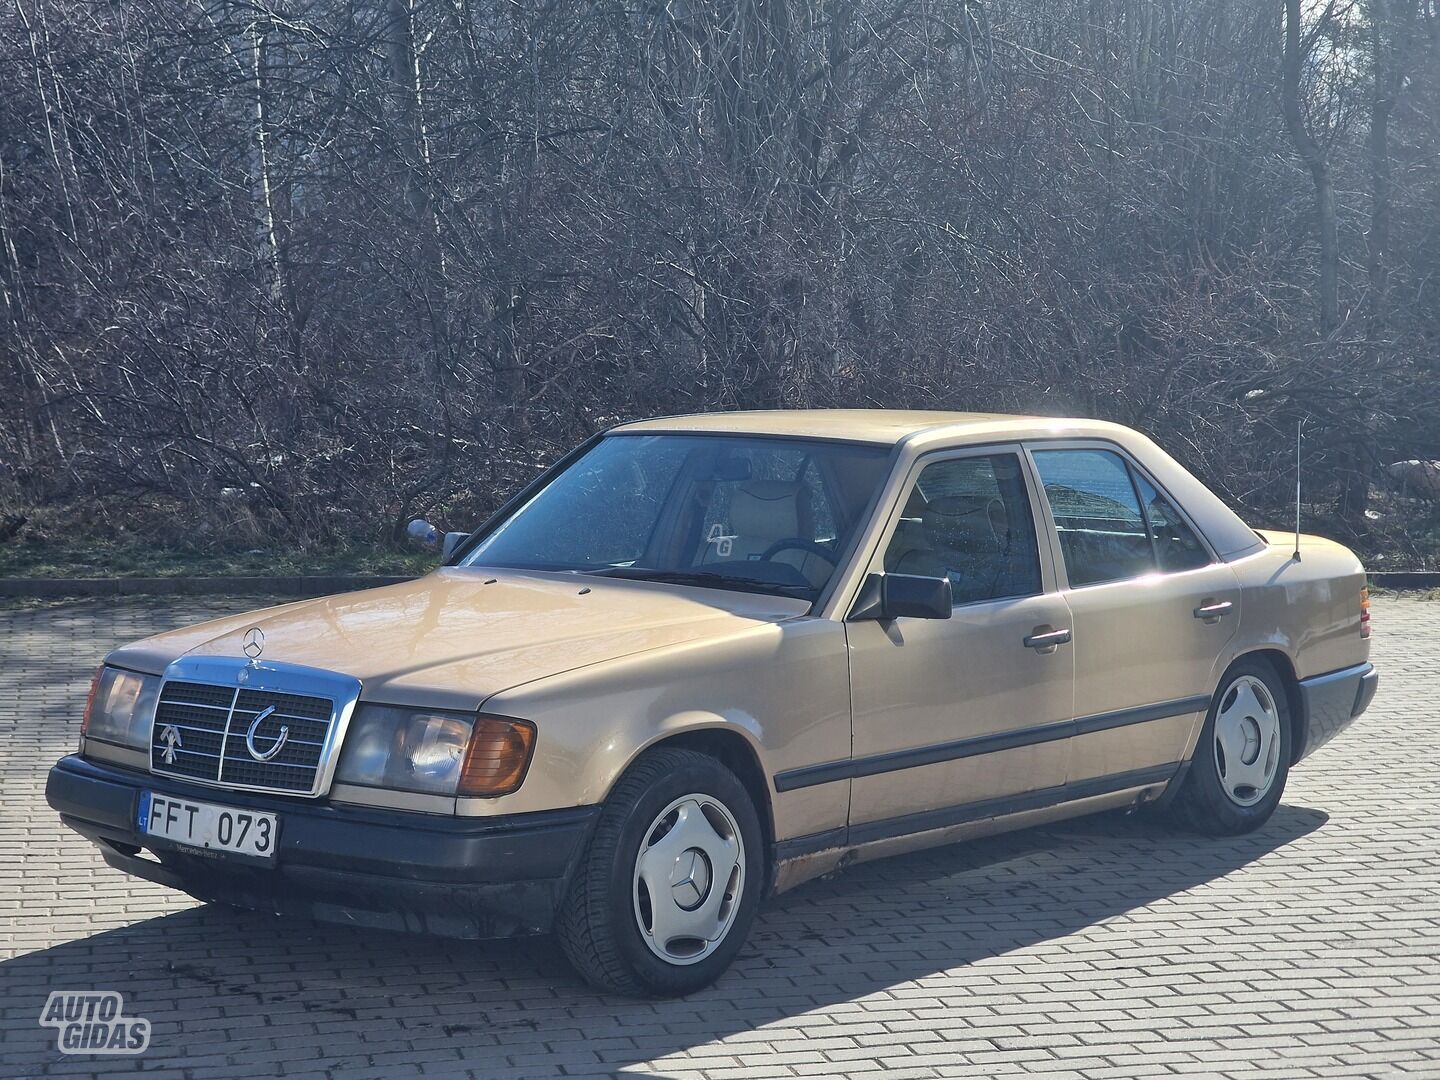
(969, 519)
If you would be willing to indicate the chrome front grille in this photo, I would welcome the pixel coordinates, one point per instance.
(200, 714)
(306, 722)
(226, 733)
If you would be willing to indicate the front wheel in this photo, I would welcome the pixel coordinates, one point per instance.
(1237, 774)
(667, 888)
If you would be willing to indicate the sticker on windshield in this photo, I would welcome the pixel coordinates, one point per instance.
(724, 542)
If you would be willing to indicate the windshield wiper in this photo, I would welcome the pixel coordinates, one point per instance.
(705, 579)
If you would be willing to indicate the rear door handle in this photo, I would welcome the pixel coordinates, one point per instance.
(1212, 610)
(1045, 640)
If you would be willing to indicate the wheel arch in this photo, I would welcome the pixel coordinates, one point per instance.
(730, 743)
(733, 750)
(1284, 669)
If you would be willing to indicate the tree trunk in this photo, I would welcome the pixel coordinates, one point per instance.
(1391, 26)
(1317, 160)
(267, 242)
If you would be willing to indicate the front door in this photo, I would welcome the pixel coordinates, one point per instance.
(953, 717)
(1153, 610)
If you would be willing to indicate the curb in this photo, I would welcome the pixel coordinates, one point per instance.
(193, 586)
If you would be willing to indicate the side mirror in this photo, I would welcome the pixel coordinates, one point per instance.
(423, 534)
(890, 596)
(452, 541)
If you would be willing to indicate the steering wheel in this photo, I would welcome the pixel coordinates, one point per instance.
(798, 543)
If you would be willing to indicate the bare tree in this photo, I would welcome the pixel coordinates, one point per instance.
(1300, 57)
(300, 270)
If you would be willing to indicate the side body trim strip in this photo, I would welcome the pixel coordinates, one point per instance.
(830, 771)
(1143, 714)
(908, 824)
(810, 843)
(1008, 804)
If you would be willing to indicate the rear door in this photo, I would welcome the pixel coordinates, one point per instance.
(1152, 611)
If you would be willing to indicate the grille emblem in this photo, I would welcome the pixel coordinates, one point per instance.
(254, 642)
(171, 738)
(254, 727)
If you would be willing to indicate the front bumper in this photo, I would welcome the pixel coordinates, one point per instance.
(390, 869)
(1332, 702)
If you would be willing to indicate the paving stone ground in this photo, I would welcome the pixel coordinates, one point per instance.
(1107, 947)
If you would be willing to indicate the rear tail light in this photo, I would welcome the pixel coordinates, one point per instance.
(1365, 612)
(497, 756)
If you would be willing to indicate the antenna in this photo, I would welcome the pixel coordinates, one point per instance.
(1298, 424)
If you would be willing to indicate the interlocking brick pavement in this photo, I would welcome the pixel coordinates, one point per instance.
(1106, 947)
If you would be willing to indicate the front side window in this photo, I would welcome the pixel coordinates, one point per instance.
(1113, 523)
(1097, 514)
(969, 519)
(722, 511)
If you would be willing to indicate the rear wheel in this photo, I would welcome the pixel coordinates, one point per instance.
(666, 891)
(1238, 772)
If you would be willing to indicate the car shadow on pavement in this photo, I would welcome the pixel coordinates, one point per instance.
(230, 992)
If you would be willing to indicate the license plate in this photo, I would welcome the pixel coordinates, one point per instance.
(205, 825)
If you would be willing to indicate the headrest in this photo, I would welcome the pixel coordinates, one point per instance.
(771, 508)
(959, 506)
(964, 523)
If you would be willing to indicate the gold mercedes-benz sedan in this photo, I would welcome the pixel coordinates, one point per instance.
(705, 658)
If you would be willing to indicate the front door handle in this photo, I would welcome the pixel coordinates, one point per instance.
(1043, 639)
(1212, 610)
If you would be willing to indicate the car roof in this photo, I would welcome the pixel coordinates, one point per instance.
(923, 432)
(886, 426)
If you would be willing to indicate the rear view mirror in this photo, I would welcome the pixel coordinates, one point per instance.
(731, 468)
(891, 596)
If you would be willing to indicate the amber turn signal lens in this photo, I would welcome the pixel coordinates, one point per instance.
(1365, 611)
(90, 700)
(497, 757)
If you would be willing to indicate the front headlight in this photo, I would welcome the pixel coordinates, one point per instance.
(121, 708)
(434, 752)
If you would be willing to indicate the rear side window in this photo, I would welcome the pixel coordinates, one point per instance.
(1176, 545)
(969, 519)
(1097, 513)
(1112, 522)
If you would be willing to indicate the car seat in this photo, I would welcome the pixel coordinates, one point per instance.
(761, 513)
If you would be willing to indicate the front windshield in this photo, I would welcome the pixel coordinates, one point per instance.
(732, 511)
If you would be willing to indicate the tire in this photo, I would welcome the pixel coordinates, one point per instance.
(691, 816)
(1236, 780)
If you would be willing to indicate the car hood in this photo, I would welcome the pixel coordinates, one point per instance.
(460, 635)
